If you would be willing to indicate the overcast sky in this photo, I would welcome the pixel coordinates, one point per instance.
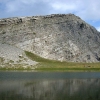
(88, 10)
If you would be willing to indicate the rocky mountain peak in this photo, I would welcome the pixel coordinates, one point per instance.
(63, 37)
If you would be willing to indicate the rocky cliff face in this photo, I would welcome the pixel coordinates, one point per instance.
(58, 37)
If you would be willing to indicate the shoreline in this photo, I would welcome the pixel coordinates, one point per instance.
(53, 70)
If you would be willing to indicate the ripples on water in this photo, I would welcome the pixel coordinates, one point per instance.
(49, 86)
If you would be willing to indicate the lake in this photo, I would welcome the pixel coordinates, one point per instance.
(49, 85)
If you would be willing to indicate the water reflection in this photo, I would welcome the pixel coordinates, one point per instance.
(50, 89)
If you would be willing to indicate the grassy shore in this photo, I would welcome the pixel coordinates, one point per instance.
(52, 65)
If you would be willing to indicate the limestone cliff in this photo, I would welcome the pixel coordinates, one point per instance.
(59, 37)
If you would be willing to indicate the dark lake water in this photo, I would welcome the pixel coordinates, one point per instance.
(49, 86)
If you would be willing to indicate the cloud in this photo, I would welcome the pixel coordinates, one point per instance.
(27, 1)
(23, 8)
(98, 28)
(11, 7)
(88, 10)
(18, 5)
(62, 6)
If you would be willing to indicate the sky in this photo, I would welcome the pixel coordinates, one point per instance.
(88, 10)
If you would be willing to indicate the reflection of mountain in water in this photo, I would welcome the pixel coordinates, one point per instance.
(71, 89)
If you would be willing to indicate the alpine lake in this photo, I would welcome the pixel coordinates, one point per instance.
(19, 85)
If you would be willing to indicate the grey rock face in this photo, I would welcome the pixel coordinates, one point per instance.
(10, 56)
(58, 37)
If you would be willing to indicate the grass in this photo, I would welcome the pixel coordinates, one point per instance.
(53, 65)
(15, 67)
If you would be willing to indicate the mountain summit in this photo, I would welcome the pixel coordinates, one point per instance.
(63, 37)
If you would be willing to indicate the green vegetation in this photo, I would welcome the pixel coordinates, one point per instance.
(49, 65)
(52, 65)
(34, 33)
(3, 32)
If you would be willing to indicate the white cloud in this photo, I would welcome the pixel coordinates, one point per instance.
(63, 6)
(86, 9)
(18, 5)
(98, 28)
(11, 7)
(90, 10)
(28, 2)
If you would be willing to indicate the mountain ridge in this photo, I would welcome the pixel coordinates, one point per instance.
(63, 37)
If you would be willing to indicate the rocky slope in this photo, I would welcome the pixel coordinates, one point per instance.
(13, 57)
(59, 37)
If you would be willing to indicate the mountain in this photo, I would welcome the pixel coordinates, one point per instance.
(63, 37)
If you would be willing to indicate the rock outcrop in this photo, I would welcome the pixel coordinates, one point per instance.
(13, 57)
(59, 37)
